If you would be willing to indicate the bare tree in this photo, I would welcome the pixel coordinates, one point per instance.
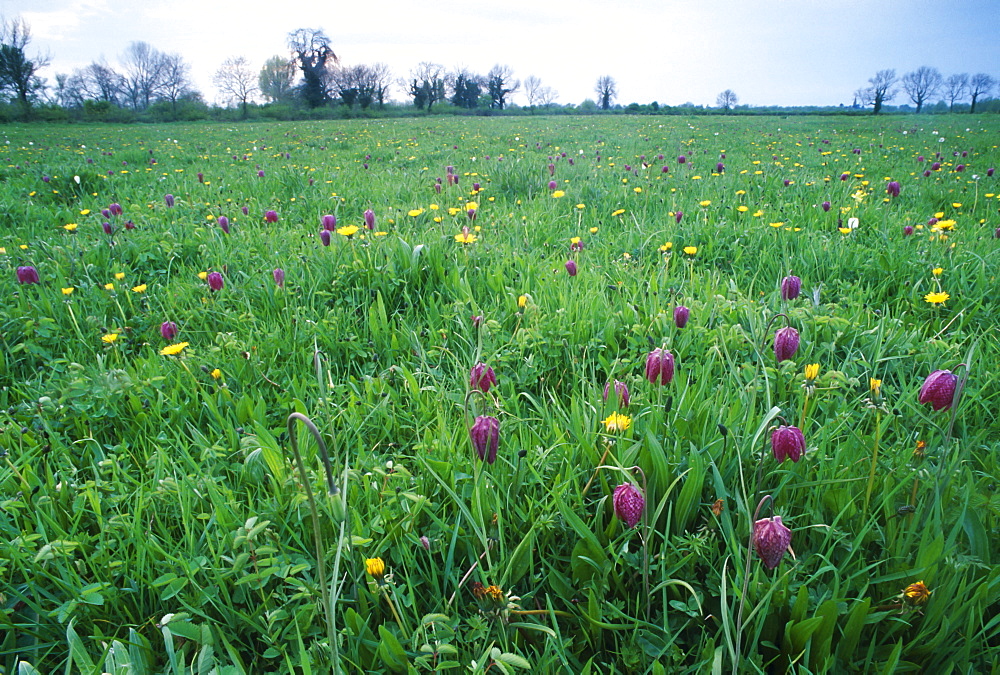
(18, 73)
(537, 94)
(276, 78)
(465, 88)
(921, 84)
(379, 78)
(500, 83)
(100, 82)
(606, 90)
(979, 84)
(236, 81)
(311, 51)
(176, 79)
(882, 89)
(144, 72)
(727, 100)
(955, 88)
(425, 84)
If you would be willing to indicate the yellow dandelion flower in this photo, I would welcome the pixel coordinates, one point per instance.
(937, 271)
(471, 206)
(494, 593)
(758, 213)
(216, 374)
(86, 212)
(616, 422)
(780, 224)
(626, 255)
(618, 212)
(438, 219)
(593, 230)
(944, 225)
(434, 207)
(875, 386)
(581, 206)
(522, 301)
(574, 240)
(202, 275)
(465, 238)
(742, 209)
(936, 298)
(68, 291)
(119, 276)
(939, 215)
(812, 371)
(664, 248)
(109, 287)
(375, 567)
(690, 250)
(413, 213)
(705, 202)
(141, 288)
(956, 205)
(109, 338)
(70, 227)
(637, 190)
(844, 230)
(558, 193)
(347, 230)
(175, 349)
(917, 594)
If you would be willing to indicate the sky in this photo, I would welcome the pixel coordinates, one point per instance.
(770, 52)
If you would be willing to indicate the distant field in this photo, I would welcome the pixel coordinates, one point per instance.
(153, 519)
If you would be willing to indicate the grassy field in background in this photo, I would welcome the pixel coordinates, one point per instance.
(157, 380)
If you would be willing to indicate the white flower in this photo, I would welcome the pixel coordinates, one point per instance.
(852, 223)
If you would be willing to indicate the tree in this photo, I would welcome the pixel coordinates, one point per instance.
(276, 78)
(466, 88)
(538, 94)
(979, 85)
(921, 84)
(18, 73)
(144, 74)
(175, 79)
(500, 83)
(100, 82)
(311, 51)
(881, 89)
(955, 87)
(727, 100)
(236, 81)
(426, 84)
(606, 90)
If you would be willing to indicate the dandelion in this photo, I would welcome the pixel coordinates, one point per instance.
(936, 298)
(522, 301)
(216, 374)
(141, 288)
(175, 349)
(770, 540)
(690, 250)
(875, 387)
(811, 372)
(68, 291)
(916, 594)
(629, 504)
(616, 422)
(119, 276)
(704, 203)
(558, 193)
(109, 286)
(413, 213)
(109, 338)
(665, 248)
(939, 389)
(375, 568)
(937, 271)
(347, 230)
(70, 227)
(617, 212)
(465, 236)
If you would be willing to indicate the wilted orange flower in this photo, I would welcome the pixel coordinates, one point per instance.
(916, 594)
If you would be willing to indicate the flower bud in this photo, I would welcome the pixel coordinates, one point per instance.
(571, 267)
(771, 539)
(279, 276)
(788, 442)
(168, 329)
(892, 189)
(786, 343)
(485, 436)
(224, 224)
(482, 377)
(939, 389)
(324, 236)
(27, 275)
(329, 222)
(629, 504)
(791, 286)
(826, 206)
(215, 281)
(660, 366)
(907, 230)
(168, 199)
(621, 392)
(369, 219)
(681, 315)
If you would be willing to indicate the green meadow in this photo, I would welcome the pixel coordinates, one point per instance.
(234, 444)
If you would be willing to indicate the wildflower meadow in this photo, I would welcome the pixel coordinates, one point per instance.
(527, 394)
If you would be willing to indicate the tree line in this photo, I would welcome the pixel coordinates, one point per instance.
(312, 76)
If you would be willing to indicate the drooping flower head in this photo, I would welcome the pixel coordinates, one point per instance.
(791, 286)
(826, 206)
(621, 392)
(786, 343)
(485, 436)
(271, 216)
(788, 443)
(660, 366)
(369, 219)
(629, 504)
(215, 281)
(329, 222)
(324, 237)
(907, 230)
(892, 188)
(168, 199)
(168, 329)
(681, 316)
(939, 389)
(771, 539)
(482, 377)
(27, 275)
(115, 209)
(223, 224)
(279, 276)
(571, 267)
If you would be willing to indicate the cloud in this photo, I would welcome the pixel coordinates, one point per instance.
(60, 24)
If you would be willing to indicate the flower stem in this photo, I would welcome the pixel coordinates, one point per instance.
(871, 474)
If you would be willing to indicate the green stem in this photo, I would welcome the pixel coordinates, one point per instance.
(871, 474)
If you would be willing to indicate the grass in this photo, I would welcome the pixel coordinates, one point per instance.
(153, 518)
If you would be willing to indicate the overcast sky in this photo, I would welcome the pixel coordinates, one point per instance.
(770, 52)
